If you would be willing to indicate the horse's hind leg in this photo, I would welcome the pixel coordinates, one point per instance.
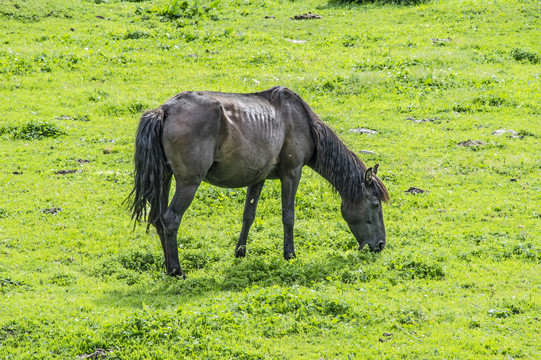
(250, 205)
(189, 139)
(170, 223)
(158, 224)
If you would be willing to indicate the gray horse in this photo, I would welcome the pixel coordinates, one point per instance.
(238, 140)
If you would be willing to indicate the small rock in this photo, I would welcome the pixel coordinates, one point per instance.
(368, 152)
(503, 131)
(470, 143)
(108, 150)
(415, 190)
(363, 131)
(419, 121)
(307, 16)
(295, 41)
(512, 133)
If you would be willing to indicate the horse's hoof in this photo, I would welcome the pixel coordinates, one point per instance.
(240, 253)
(177, 273)
(290, 256)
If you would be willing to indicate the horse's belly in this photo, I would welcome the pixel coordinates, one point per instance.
(237, 174)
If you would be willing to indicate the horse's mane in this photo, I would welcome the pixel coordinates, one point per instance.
(334, 161)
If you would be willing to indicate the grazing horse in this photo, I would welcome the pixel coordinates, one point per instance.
(238, 140)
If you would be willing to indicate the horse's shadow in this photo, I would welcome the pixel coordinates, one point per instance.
(237, 275)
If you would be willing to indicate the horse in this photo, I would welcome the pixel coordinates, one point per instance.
(241, 140)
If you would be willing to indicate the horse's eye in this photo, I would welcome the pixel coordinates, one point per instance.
(375, 205)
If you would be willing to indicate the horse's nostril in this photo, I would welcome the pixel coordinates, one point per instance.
(381, 245)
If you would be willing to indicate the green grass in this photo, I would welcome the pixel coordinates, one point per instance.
(460, 277)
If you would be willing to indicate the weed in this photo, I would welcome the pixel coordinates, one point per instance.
(7, 284)
(139, 260)
(62, 279)
(34, 130)
(300, 301)
(525, 55)
(384, 2)
(417, 269)
(136, 34)
(198, 258)
(183, 9)
(410, 316)
(128, 265)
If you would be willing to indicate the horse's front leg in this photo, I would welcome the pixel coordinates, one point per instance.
(290, 183)
(248, 216)
(170, 223)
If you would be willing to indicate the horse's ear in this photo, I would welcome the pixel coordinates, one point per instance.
(375, 169)
(368, 176)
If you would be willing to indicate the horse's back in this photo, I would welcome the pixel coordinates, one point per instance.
(252, 134)
(235, 140)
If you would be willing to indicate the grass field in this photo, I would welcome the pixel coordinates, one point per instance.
(460, 277)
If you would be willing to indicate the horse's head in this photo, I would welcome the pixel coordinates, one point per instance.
(365, 219)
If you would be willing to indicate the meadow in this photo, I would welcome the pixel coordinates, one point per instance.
(460, 277)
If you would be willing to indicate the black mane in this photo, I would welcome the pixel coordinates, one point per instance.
(338, 164)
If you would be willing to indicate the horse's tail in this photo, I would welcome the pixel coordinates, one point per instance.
(152, 173)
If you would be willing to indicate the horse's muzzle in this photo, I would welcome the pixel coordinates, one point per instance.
(377, 248)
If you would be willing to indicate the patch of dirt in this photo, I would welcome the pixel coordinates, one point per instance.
(419, 121)
(415, 190)
(82, 161)
(307, 16)
(64, 172)
(439, 41)
(83, 118)
(99, 353)
(9, 332)
(52, 211)
(387, 337)
(470, 143)
(363, 131)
